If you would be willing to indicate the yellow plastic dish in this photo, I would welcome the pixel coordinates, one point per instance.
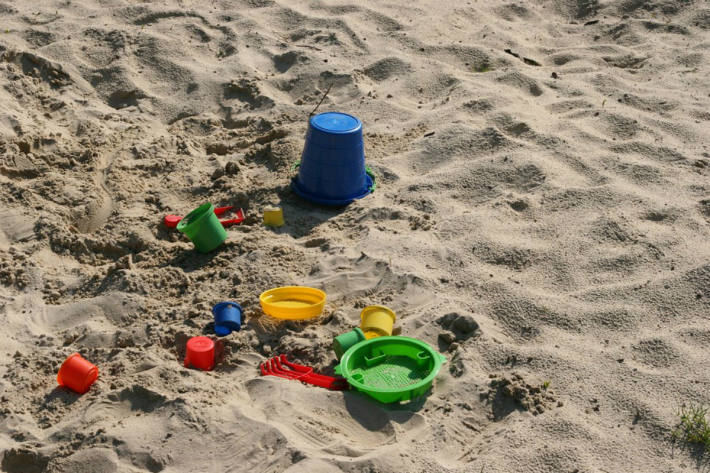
(293, 302)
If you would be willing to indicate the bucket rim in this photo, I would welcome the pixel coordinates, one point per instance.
(195, 218)
(332, 202)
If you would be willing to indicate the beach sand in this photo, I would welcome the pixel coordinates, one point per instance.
(542, 218)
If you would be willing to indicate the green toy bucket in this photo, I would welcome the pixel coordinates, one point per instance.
(342, 343)
(391, 369)
(203, 228)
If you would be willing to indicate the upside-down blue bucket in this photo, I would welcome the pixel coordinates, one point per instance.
(227, 318)
(332, 169)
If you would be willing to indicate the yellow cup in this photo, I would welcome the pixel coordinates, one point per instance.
(377, 321)
(273, 216)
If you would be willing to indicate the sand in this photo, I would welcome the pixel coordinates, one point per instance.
(542, 218)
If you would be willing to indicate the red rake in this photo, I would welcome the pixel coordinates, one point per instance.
(281, 367)
(171, 221)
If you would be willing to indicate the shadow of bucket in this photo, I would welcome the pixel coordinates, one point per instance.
(332, 170)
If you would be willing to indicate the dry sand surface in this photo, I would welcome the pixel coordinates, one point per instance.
(542, 218)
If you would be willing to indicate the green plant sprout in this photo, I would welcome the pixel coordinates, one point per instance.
(693, 427)
(482, 68)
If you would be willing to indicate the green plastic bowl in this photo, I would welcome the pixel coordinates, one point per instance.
(203, 228)
(391, 369)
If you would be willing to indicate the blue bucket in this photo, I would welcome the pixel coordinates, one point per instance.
(332, 169)
(227, 318)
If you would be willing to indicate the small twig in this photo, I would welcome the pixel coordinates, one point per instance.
(321, 99)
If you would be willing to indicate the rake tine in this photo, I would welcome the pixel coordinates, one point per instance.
(273, 371)
(294, 367)
(272, 367)
(276, 370)
(290, 373)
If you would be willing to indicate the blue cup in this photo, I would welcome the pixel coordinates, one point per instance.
(227, 318)
(332, 169)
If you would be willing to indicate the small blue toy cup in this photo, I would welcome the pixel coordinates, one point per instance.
(227, 318)
(332, 170)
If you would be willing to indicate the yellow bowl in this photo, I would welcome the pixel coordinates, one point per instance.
(293, 302)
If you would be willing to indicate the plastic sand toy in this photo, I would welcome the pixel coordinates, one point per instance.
(203, 228)
(342, 343)
(171, 221)
(77, 374)
(391, 369)
(332, 169)
(273, 216)
(227, 318)
(377, 321)
(293, 302)
(200, 353)
(281, 367)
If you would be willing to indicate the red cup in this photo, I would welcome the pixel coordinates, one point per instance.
(77, 374)
(200, 353)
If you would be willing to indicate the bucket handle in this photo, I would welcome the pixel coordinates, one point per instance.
(368, 170)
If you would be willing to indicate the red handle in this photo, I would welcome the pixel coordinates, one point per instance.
(335, 384)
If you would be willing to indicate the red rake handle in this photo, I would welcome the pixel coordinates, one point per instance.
(328, 382)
